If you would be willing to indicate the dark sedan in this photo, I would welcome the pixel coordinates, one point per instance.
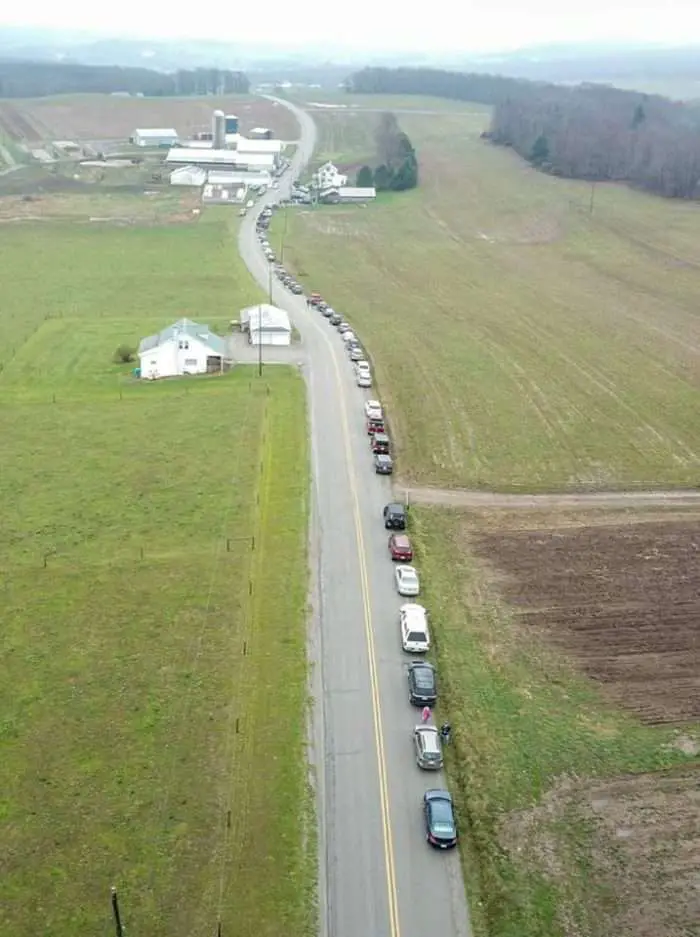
(422, 684)
(383, 464)
(440, 823)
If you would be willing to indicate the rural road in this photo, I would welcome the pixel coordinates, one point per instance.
(378, 877)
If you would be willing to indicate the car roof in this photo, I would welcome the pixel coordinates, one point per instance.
(431, 737)
(418, 664)
(405, 568)
(401, 539)
(382, 457)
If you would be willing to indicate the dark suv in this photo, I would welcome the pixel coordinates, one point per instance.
(422, 684)
(395, 516)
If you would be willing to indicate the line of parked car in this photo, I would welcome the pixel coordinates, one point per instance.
(439, 816)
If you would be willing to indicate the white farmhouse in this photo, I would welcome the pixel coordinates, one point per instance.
(183, 348)
(328, 177)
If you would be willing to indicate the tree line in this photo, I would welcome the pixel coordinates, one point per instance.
(41, 79)
(398, 163)
(590, 131)
(460, 86)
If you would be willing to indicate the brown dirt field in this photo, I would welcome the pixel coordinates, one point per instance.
(103, 117)
(646, 834)
(622, 601)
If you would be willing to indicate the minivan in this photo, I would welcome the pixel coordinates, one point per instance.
(426, 740)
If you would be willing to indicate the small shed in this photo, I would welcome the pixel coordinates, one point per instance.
(155, 136)
(185, 347)
(266, 325)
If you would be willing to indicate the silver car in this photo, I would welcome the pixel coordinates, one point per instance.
(426, 740)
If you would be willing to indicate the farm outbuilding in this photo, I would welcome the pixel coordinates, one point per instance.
(261, 133)
(247, 148)
(167, 136)
(188, 175)
(209, 158)
(233, 178)
(185, 347)
(346, 194)
(266, 325)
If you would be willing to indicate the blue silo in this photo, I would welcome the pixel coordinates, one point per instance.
(231, 123)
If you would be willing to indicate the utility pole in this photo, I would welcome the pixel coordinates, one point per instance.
(119, 930)
(260, 336)
(590, 204)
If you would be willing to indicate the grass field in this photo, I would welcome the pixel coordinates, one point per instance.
(153, 682)
(520, 341)
(579, 820)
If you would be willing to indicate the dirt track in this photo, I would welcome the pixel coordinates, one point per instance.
(460, 497)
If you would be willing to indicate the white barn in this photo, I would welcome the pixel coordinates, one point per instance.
(155, 136)
(185, 347)
(266, 325)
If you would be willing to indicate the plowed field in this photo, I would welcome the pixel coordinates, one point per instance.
(622, 602)
(104, 117)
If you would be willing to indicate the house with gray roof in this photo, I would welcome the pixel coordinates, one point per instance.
(186, 347)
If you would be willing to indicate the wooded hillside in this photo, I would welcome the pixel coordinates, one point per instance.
(40, 79)
(594, 132)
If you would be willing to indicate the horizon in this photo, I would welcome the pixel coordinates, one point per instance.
(504, 29)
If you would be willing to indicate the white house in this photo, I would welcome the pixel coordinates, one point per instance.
(266, 325)
(328, 177)
(188, 175)
(155, 136)
(183, 348)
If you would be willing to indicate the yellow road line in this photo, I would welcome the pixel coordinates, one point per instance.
(394, 925)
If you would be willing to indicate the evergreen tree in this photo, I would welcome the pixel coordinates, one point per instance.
(383, 178)
(364, 178)
(540, 151)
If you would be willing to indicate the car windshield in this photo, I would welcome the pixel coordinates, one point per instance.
(409, 575)
(416, 636)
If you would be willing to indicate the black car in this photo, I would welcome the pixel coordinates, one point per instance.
(422, 683)
(383, 464)
(336, 319)
(321, 306)
(440, 823)
(297, 288)
(395, 516)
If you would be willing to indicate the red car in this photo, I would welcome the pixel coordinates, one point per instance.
(380, 444)
(400, 548)
(315, 299)
(375, 426)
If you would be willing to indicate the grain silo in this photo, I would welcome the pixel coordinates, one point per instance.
(231, 123)
(218, 126)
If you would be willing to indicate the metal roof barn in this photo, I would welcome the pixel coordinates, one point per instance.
(273, 147)
(210, 157)
(221, 177)
(159, 136)
(266, 325)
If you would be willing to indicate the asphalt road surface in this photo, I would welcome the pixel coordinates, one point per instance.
(378, 876)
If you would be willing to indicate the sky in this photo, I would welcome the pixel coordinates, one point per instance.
(453, 25)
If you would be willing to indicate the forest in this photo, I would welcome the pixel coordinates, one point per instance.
(589, 131)
(40, 79)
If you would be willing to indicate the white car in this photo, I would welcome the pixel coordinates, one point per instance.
(364, 379)
(415, 637)
(407, 581)
(373, 410)
(362, 365)
(348, 336)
